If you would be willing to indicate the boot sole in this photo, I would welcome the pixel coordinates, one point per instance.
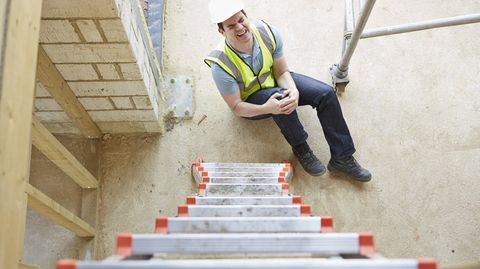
(340, 172)
(317, 174)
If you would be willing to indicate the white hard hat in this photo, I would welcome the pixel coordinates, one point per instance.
(221, 10)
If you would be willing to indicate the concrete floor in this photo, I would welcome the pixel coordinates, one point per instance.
(413, 108)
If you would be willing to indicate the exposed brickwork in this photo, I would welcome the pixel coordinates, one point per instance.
(122, 102)
(99, 48)
(96, 103)
(142, 102)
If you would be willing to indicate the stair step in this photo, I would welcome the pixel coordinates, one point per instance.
(243, 200)
(231, 189)
(246, 243)
(244, 210)
(244, 225)
(296, 263)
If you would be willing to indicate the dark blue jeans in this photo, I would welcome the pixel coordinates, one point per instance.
(321, 97)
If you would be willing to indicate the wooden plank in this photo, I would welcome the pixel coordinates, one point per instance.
(53, 81)
(47, 207)
(58, 154)
(20, 44)
(27, 266)
(473, 265)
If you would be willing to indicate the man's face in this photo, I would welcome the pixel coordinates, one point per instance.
(236, 28)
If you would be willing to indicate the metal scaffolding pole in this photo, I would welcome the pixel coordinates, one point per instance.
(349, 24)
(339, 71)
(424, 25)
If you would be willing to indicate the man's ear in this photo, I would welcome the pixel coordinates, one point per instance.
(221, 31)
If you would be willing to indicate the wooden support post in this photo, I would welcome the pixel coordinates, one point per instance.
(53, 81)
(58, 154)
(17, 86)
(47, 207)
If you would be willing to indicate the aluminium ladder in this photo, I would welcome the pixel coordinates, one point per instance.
(244, 217)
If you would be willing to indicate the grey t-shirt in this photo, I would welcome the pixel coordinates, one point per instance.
(226, 84)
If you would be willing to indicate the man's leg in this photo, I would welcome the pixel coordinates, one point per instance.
(322, 97)
(293, 131)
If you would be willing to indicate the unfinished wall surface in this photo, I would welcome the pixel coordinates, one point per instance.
(102, 49)
(412, 107)
(46, 242)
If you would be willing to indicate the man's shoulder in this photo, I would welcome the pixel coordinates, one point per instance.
(268, 27)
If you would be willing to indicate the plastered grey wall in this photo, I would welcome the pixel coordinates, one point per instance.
(46, 242)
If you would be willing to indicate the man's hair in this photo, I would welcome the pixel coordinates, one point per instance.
(220, 24)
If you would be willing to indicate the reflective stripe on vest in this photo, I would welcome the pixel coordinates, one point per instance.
(233, 64)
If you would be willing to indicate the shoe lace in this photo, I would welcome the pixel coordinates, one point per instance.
(308, 157)
(351, 162)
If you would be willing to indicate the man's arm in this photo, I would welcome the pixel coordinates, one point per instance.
(244, 109)
(230, 92)
(285, 80)
(273, 106)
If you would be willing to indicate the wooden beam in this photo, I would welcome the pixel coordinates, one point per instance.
(47, 207)
(26, 266)
(20, 31)
(59, 155)
(472, 265)
(53, 81)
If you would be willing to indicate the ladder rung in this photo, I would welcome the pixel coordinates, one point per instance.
(244, 200)
(238, 180)
(240, 165)
(244, 225)
(245, 243)
(226, 189)
(254, 264)
(267, 169)
(244, 210)
(203, 174)
(243, 174)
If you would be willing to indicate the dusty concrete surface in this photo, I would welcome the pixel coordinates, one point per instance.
(412, 107)
(46, 242)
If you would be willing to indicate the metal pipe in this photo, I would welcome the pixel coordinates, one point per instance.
(349, 24)
(367, 8)
(362, 3)
(424, 25)
(349, 16)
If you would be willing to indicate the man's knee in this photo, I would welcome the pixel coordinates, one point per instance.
(325, 96)
(330, 93)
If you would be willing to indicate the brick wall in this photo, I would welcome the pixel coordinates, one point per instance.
(102, 49)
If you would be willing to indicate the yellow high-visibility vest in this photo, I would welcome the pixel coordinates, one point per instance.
(233, 64)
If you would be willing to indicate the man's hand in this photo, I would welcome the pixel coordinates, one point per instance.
(290, 101)
(272, 106)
